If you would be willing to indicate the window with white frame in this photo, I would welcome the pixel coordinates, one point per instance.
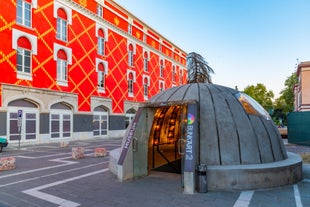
(129, 29)
(161, 68)
(101, 76)
(62, 67)
(23, 53)
(101, 42)
(161, 86)
(99, 10)
(62, 25)
(130, 85)
(181, 77)
(146, 83)
(23, 12)
(130, 55)
(173, 73)
(145, 62)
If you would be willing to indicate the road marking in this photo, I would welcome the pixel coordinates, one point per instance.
(66, 162)
(35, 192)
(297, 196)
(306, 180)
(48, 175)
(244, 199)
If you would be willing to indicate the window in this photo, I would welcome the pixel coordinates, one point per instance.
(23, 53)
(62, 67)
(130, 85)
(129, 29)
(145, 62)
(145, 87)
(161, 86)
(101, 42)
(62, 25)
(101, 76)
(99, 10)
(161, 68)
(181, 77)
(23, 13)
(100, 121)
(130, 55)
(173, 73)
(130, 114)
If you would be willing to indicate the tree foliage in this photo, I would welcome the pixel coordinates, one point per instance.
(198, 69)
(261, 95)
(286, 100)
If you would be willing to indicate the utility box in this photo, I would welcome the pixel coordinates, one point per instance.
(201, 179)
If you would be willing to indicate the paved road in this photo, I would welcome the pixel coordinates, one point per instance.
(47, 176)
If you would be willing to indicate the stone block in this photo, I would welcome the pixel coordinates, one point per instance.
(100, 152)
(78, 153)
(7, 163)
(64, 144)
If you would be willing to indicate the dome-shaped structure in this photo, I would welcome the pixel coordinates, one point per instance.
(206, 124)
(234, 129)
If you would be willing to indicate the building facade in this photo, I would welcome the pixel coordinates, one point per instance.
(302, 89)
(74, 69)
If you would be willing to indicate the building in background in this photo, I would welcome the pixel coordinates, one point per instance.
(302, 90)
(74, 69)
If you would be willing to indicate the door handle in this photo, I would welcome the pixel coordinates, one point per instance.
(181, 143)
(134, 144)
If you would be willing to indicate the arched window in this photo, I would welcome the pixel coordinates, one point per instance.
(145, 88)
(23, 55)
(173, 73)
(161, 86)
(130, 84)
(145, 61)
(161, 68)
(101, 42)
(23, 12)
(130, 55)
(62, 67)
(101, 76)
(62, 25)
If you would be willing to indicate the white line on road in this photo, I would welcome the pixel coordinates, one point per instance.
(244, 199)
(297, 196)
(52, 174)
(35, 192)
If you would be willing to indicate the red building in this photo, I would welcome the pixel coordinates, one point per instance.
(73, 69)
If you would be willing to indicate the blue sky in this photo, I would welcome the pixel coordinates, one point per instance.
(245, 41)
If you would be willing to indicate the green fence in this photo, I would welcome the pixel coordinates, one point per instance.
(298, 127)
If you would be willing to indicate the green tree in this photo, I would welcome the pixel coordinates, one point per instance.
(198, 69)
(286, 100)
(285, 103)
(261, 95)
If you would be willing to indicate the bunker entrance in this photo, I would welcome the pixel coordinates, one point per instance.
(167, 139)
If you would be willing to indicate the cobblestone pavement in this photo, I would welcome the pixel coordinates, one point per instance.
(46, 175)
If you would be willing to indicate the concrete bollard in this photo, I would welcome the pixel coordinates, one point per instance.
(7, 163)
(100, 152)
(64, 144)
(77, 153)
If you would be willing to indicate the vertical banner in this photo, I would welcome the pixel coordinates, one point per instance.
(191, 138)
(129, 137)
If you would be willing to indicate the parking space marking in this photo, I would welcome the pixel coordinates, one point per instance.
(244, 199)
(66, 162)
(297, 196)
(35, 192)
(52, 174)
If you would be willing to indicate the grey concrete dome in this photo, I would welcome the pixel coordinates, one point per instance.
(202, 124)
(234, 129)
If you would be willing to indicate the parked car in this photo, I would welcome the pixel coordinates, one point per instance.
(3, 143)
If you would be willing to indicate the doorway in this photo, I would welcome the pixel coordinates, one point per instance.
(167, 139)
